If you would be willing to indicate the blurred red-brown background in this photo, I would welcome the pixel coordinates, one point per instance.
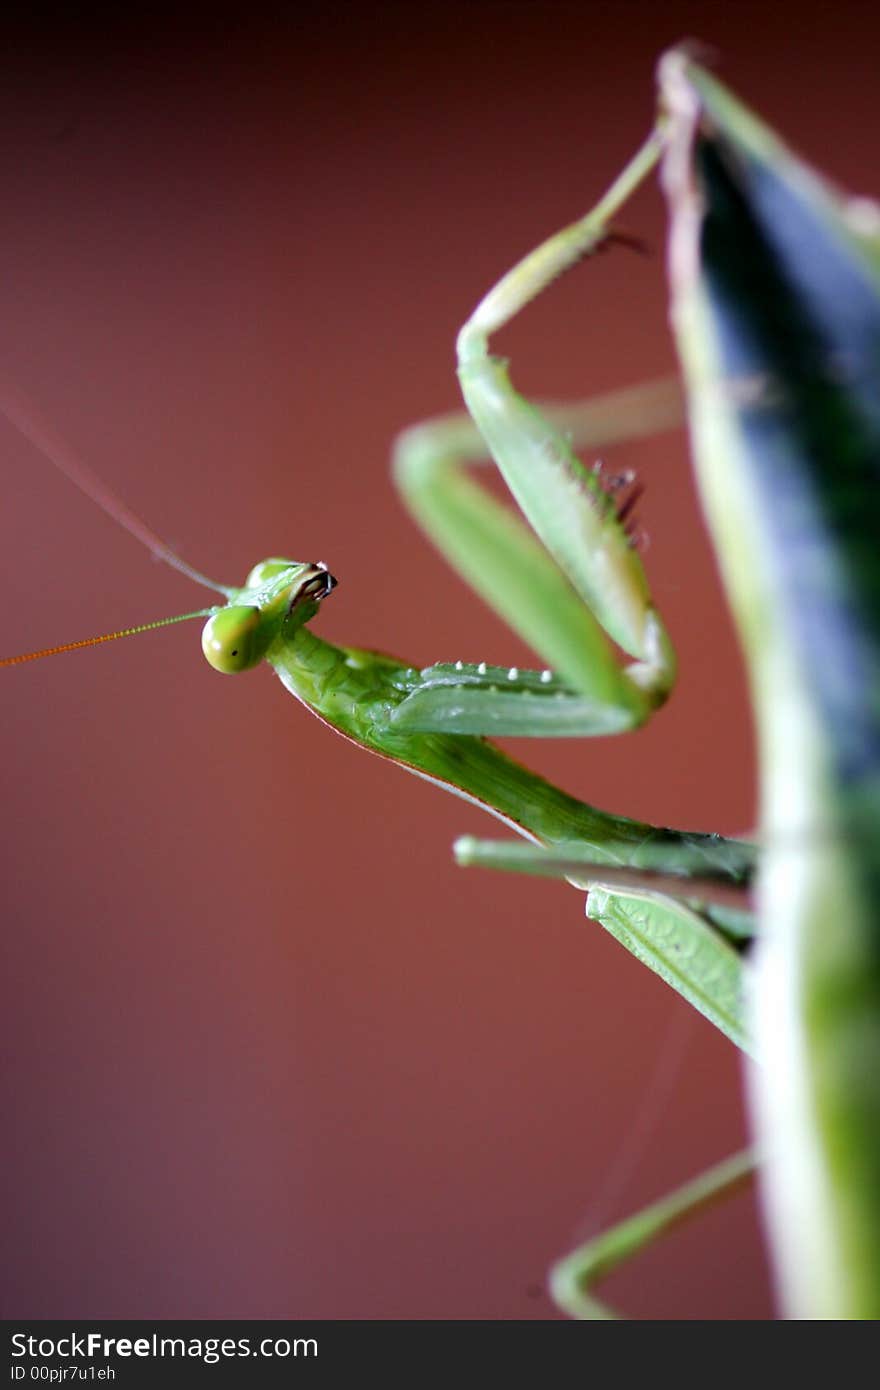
(268, 1052)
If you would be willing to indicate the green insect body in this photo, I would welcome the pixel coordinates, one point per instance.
(374, 700)
(565, 576)
(433, 722)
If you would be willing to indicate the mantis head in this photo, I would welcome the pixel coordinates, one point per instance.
(277, 598)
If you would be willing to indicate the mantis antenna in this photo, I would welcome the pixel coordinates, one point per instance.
(104, 637)
(21, 413)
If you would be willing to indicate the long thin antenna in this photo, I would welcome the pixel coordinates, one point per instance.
(105, 637)
(23, 414)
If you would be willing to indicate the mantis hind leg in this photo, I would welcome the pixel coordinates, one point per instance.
(572, 1278)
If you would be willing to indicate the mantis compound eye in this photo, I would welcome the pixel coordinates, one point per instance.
(234, 639)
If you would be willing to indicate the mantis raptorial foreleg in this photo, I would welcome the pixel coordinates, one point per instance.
(575, 576)
(519, 577)
(696, 945)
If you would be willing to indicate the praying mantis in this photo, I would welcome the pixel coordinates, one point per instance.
(433, 720)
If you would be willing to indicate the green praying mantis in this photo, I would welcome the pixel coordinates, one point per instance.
(571, 583)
